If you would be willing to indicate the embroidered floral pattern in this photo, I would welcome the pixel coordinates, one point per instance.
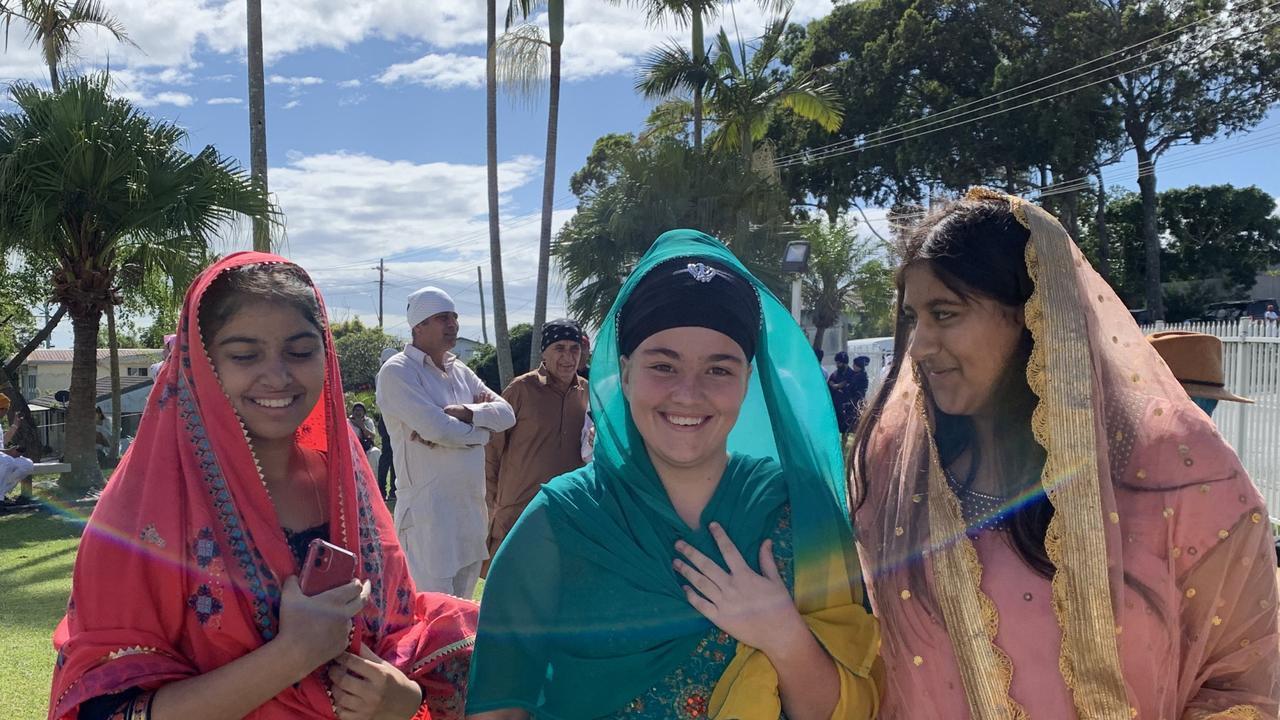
(205, 548)
(150, 535)
(370, 553)
(205, 605)
(263, 592)
(685, 692)
(450, 679)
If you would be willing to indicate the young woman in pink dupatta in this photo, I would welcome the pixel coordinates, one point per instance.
(185, 603)
(1053, 529)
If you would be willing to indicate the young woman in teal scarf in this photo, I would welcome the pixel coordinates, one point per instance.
(702, 565)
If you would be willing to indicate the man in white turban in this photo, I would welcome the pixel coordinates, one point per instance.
(439, 415)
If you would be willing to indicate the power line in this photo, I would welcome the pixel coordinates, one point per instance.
(850, 146)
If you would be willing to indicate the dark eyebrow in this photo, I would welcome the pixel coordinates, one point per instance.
(665, 352)
(239, 339)
(724, 357)
(304, 335)
(937, 303)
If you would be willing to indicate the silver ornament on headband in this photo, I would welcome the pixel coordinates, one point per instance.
(700, 272)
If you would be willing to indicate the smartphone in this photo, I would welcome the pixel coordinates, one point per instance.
(327, 567)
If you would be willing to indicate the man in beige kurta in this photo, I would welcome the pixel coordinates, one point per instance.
(551, 406)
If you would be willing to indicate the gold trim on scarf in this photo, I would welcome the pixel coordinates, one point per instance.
(1063, 423)
(957, 573)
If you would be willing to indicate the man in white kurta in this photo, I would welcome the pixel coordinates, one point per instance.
(439, 415)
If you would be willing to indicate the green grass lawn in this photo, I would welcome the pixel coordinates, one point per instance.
(37, 552)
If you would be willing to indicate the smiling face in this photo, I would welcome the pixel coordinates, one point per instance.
(961, 344)
(562, 359)
(436, 334)
(270, 361)
(685, 387)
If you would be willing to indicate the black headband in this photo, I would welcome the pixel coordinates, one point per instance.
(691, 292)
(562, 329)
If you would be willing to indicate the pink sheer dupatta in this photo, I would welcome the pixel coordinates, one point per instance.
(1163, 602)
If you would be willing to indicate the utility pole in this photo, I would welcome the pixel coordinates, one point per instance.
(382, 273)
(48, 342)
(484, 322)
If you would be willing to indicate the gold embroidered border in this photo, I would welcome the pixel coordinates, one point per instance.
(972, 619)
(1063, 423)
(1238, 712)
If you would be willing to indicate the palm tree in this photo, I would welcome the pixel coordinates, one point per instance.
(693, 13)
(522, 64)
(54, 24)
(743, 87)
(89, 185)
(257, 118)
(836, 258)
(502, 336)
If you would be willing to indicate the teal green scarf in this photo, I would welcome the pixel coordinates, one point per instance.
(582, 611)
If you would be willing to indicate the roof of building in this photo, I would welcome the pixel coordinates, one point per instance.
(63, 355)
(101, 392)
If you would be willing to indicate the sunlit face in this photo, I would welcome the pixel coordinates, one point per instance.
(962, 345)
(357, 412)
(685, 386)
(561, 359)
(438, 333)
(270, 360)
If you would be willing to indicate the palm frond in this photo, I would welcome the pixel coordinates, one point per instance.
(820, 105)
(523, 58)
(92, 12)
(522, 10)
(667, 70)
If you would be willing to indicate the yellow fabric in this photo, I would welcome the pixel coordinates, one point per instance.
(748, 689)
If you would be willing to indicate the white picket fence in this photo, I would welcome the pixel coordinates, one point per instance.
(1251, 360)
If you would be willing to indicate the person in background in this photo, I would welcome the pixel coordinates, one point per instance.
(440, 416)
(102, 436)
(14, 468)
(386, 466)
(362, 424)
(1271, 314)
(1195, 359)
(584, 361)
(186, 601)
(154, 371)
(550, 404)
(848, 387)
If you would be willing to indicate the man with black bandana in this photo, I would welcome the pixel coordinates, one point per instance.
(551, 408)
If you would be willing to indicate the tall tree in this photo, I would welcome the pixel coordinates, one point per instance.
(89, 183)
(744, 87)
(694, 13)
(1220, 76)
(54, 25)
(524, 61)
(257, 117)
(836, 257)
(502, 336)
(631, 195)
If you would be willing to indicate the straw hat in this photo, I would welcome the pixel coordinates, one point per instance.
(1196, 362)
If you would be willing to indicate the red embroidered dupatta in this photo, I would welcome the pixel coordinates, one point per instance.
(180, 566)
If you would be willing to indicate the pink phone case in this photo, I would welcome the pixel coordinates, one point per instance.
(328, 566)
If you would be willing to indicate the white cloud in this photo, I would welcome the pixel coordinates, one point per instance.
(225, 101)
(438, 71)
(430, 220)
(292, 104)
(349, 84)
(294, 82)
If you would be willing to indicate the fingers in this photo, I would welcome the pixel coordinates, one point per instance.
(732, 558)
(704, 564)
(700, 582)
(768, 565)
(353, 607)
(701, 604)
(368, 654)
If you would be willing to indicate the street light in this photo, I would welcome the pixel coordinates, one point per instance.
(795, 260)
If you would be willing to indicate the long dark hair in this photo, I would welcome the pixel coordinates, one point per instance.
(977, 249)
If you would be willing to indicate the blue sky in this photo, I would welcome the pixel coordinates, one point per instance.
(375, 118)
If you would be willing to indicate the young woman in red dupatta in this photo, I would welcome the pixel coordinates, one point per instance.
(185, 602)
